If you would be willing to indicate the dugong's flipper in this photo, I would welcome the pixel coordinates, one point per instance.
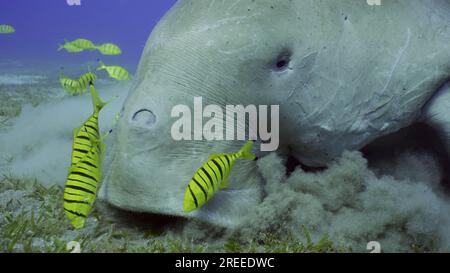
(436, 113)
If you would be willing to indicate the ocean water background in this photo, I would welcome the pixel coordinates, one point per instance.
(43, 24)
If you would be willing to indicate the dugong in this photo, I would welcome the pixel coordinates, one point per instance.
(344, 73)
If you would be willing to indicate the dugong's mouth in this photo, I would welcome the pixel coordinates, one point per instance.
(155, 179)
(155, 222)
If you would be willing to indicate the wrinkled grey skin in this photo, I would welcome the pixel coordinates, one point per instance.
(355, 72)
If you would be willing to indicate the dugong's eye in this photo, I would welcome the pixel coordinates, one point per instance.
(144, 118)
(282, 62)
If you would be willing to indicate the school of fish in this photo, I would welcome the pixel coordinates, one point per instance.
(88, 148)
(81, 44)
(79, 86)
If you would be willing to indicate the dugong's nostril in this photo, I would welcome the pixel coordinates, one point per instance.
(144, 118)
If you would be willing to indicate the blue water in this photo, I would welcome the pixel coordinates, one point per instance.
(43, 24)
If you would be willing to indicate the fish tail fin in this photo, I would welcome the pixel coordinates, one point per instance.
(61, 46)
(102, 65)
(245, 152)
(96, 101)
(94, 47)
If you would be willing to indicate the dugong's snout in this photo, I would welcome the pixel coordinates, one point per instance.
(148, 170)
(141, 143)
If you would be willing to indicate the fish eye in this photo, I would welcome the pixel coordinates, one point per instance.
(144, 118)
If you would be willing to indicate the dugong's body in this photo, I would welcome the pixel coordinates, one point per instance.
(344, 73)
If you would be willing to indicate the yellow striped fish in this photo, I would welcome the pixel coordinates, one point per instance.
(212, 176)
(69, 47)
(6, 29)
(109, 49)
(84, 44)
(85, 171)
(88, 131)
(69, 85)
(85, 79)
(81, 186)
(114, 71)
(76, 87)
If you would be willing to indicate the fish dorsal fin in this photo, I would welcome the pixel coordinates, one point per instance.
(75, 132)
(211, 157)
(102, 149)
(102, 65)
(104, 136)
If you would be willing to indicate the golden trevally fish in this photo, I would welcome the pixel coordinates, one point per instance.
(71, 86)
(76, 87)
(212, 176)
(85, 171)
(109, 49)
(114, 71)
(6, 29)
(69, 47)
(84, 44)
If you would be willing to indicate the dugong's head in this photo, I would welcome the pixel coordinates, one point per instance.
(305, 56)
